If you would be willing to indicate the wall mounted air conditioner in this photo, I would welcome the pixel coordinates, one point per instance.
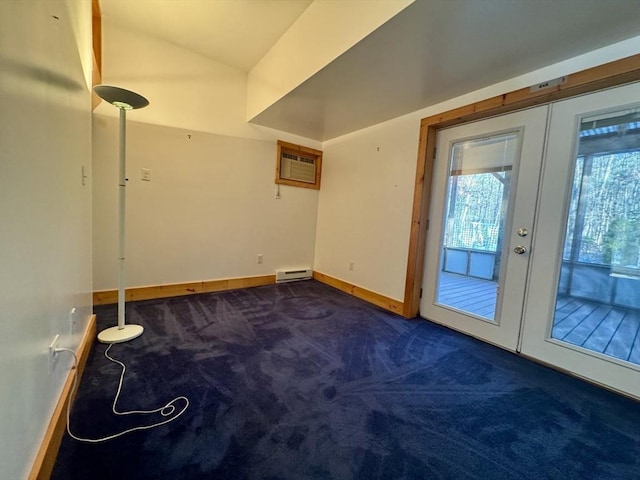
(297, 167)
(293, 275)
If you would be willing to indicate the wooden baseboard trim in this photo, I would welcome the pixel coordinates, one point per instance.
(48, 452)
(374, 298)
(107, 297)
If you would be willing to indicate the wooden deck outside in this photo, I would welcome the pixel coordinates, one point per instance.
(600, 327)
(472, 295)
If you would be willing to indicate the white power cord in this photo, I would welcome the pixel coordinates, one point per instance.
(165, 411)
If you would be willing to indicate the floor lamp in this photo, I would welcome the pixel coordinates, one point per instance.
(124, 100)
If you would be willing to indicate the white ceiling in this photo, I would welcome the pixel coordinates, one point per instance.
(235, 32)
(431, 51)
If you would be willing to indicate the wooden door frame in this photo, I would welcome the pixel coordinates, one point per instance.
(604, 76)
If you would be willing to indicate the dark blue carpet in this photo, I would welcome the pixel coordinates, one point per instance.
(300, 381)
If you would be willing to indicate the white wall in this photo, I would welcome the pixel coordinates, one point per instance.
(45, 211)
(365, 204)
(185, 89)
(210, 207)
(208, 210)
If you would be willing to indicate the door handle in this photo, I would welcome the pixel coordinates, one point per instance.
(520, 249)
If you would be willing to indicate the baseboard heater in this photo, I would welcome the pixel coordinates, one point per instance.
(283, 276)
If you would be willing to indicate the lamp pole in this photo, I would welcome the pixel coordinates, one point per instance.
(124, 100)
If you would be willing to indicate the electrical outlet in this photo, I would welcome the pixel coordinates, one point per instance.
(352, 265)
(259, 258)
(52, 351)
(145, 174)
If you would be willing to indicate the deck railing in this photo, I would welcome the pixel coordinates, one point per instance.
(601, 283)
(469, 262)
(598, 283)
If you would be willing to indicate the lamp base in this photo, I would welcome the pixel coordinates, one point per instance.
(119, 335)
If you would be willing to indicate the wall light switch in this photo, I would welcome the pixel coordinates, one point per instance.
(146, 175)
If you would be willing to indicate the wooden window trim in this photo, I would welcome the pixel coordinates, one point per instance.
(611, 74)
(284, 147)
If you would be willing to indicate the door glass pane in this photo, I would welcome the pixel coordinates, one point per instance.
(598, 299)
(476, 210)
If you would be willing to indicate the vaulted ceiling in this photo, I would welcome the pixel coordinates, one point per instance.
(431, 51)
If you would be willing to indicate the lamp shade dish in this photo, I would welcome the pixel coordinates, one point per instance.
(120, 97)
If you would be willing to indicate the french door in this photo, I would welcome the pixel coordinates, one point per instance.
(583, 305)
(484, 191)
(534, 236)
